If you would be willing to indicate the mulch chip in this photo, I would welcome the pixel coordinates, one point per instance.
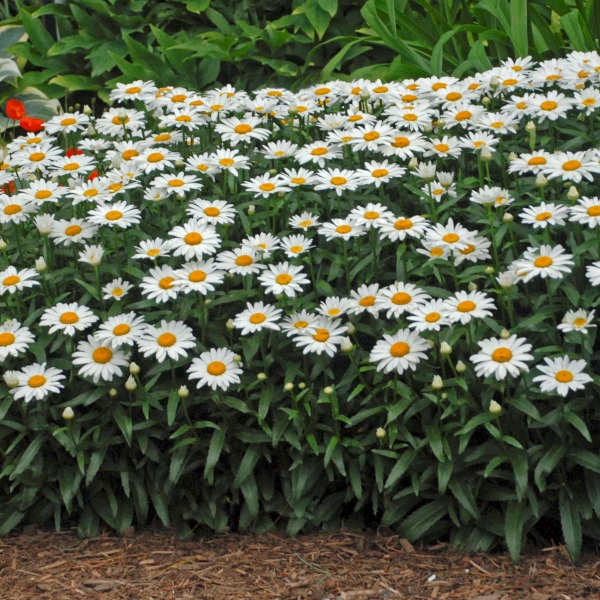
(156, 565)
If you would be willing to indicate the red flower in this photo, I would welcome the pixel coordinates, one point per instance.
(73, 151)
(9, 188)
(93, 174)
(15, 109)
(31, 124)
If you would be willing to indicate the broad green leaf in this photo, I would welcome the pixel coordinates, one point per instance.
(419, 522)
(215, 447)
(570, 522)
(514, 523)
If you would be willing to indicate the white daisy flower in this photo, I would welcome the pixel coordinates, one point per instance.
(342, 229)
(36, 381)
(241, 261)
(398, 229)
(158, 285)
(116, 289)
(464, 306)
(294, 245)
(170, 339)
(334, 306)
(399, 298)
(501, 357)
(67, 318)
(152, 249)
(304, 221)
(429, 316)
(215, 212)
(194, 239)
(561, 375)
(256, 317)
(215, 368)
(324, 335)
(592, 272)
(14, 280)
(72, 231)
(121, 330)
(577, 320)
(98, 361)
(586, 212)
(399, 352)
(14, 339)
(544, 214)
(545, 261)
(297, 322)
(15, 209)
(199, 276)
(283, 278)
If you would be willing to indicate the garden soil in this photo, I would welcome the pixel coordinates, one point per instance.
(155, 565)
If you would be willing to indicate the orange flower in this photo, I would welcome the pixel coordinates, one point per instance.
(15, 109)
(31, 124)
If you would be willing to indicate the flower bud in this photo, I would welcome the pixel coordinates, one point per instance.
(495, 408)
(11, 378)
(508, 217)
(346, 345)
(505, 334)
(112, 392)
(251, 209)
(486, 153)
(460, 366)
(380, 433)
(489, 270)
(530, 126)
(288, 386)
(3, 244)
(350, 328)
(301, 385)
(68, 413)
(513, 156)
(541, 180)
(445, 348)
(472, 286)
(328, 390)
(130, 384)
(413, 163)
(40, 264)
(437, 382)
(229, 324)
(183, 391)
(573, 193)
(134, 368)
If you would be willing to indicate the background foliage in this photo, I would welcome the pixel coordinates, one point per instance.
(72, 50)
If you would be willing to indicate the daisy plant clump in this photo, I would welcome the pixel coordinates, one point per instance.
(291, 308)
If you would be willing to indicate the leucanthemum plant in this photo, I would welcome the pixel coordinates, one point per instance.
(204, 276)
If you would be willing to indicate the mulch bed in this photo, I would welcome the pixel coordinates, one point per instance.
(153, 565)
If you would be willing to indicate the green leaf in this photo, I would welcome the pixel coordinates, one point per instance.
(124, 422)
(520, 465)
(546, 465)
(38, 36)
(329, 6)
(75, 83)
(577, 422)
(177, 465)
(586, 459)
(28, 456)
(419, 522)
(570, 522)
(400, 467)
(215, 447)
(247, 465)
(518, 27)
(172, 406)
(197, 6)
(577, 31)
(514, 523)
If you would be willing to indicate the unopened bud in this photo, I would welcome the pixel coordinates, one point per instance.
(530, 126)
(460, 366)
(134, 368)
(573, 193)
(445, 348)
(350, 328)
(513, 156)
(3, 244)
(380, 433)
(68, 413)
(40, 264)
(489, 270)
(437, 382)
(505, 334)
(261, 376)
(328, 390)
(472, 286)
(183, 391)
(346, 345)
(486, 153)
(508, 217)
(112, 392)
(541, 180)
(130, 384)
(288, 386)
(413, 163)
(495, 408)
(301, 385)
(251, 209)
(229, 324)
(11, 378)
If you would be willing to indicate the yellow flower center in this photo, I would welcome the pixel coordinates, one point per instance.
(465, 306)
(579, 321)
(72, 166)
(542, 262)
(410, 117)
(438, 85)
(6, 339)
(399, 349)
(176, 182)
(244, 260)
(379, 173)
(43, 194)
(166, 282)
(442, 147)
(543, 216)
(497, 124)
(12, 209)
(510, 81)
(502, 354)
(102, 355)
(37, 156)
(116, 120)
(197, 276)
(451, 238)
(554, 77)
(380, 89)
(68, 318)
(343, 229)
(298, 180)
(338, 180)
(301, 324)
(11, 280)
(402, 224)
(470, 248)
(36, 381)
(401, 298)
(321, 335)
(594, 211)
(437, 251)
(242, 128)
(162, 137)
(296, 249)
(334, 312)
(153, 252)
(90, 193)
(178, 98)
(319, 151)
(453, 96)
(433, 317)
(571, 165)
(257, 318)
(267, 187)
(193, 238)
(134, 89)
(183, 118)
(114, 215)
(155, 157)
(367, 301)
(322, 91)
(121, 329)
(371, 135)
(534, 161)
(548, 105)
(589, 101)
(117, 292)
(216, 368)
(283, 279)
(68, 121)
(463, 115)
(563, 376)
(409, 98)
(166, 340)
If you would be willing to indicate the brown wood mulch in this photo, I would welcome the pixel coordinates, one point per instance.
(155, 565)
